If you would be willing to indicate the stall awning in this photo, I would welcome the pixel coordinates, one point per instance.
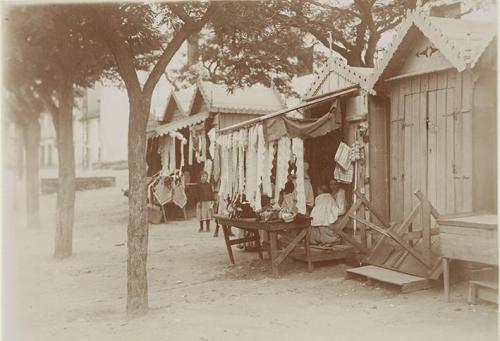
(179, 124)
(280, 126)
(325, 121)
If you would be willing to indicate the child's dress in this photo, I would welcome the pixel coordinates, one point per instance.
(204, 202)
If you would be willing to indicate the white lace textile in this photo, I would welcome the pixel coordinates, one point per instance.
(298, 150)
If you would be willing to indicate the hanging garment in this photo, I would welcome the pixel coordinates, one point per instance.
(203, 146)
(266, 172)
(261, 150)
(229, 166)
(216, 164)
(211, 140)
(164, 151)
(183, 145)
(241, 162)
(179, 197)
(298, 150)
(342, 156)
(163, 191)
(250, 187)
(344, 175)
(171, 158)
(190, 151)
(234, 164)
(284, 150)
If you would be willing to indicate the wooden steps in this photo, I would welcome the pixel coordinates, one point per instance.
(407, 283)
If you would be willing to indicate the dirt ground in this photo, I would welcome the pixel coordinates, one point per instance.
(194, 294)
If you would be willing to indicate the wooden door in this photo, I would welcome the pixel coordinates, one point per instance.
(431, 143)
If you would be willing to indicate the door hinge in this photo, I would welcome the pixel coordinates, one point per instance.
(454, 169)
(404, 125)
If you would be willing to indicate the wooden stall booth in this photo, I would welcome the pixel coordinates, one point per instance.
(310, 132)
(184, 142)
(439, 76)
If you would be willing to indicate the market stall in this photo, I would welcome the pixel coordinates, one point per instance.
(184, 143)
(304, 146)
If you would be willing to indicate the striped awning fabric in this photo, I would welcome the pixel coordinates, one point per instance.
(179, 124)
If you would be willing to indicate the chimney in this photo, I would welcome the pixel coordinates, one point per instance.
(452, 10)
(193, 51)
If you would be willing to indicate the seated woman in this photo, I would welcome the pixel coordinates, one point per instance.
(324, 213)
(338, 193)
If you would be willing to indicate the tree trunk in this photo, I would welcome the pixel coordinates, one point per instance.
(32, 145)
(66, 187)
(137, 283)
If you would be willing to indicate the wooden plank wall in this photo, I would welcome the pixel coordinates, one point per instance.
(378, 123)
(430, 142)
(227, 120)
(484, 149)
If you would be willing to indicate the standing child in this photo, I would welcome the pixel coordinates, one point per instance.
(204, 201)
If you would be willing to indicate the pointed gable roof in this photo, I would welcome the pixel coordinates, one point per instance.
(354, 75)
(461, 42)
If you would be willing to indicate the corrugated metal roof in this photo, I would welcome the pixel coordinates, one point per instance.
(462, 42)
(355, 75)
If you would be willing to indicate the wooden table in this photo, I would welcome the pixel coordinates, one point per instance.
(272, 228)
(470, 238)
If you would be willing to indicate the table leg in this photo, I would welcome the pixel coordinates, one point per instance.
(308, 249)
(446, 278)
(273, 236)
(225, 229)
(257, 242)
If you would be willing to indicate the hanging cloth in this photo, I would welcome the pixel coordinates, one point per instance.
(211, 138)
(266, 173)
(190, 151)
(241, 161)
(284, 149)
(261, 151)
(172, 159)
(280, 126)
(183, 143)
(179, 197)
(250, 188)
(216, 166)
(164, 151)
(203, 146)
(343, 155)
(298, 150)
(234, 164)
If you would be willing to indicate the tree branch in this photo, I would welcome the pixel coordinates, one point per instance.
(179, 37)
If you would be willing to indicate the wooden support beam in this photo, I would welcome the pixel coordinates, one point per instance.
(283, 254)
(371, 208)
(398, 239)
(418, 234)
(422, 198)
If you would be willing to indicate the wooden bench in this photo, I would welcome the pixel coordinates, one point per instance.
(485, 290)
